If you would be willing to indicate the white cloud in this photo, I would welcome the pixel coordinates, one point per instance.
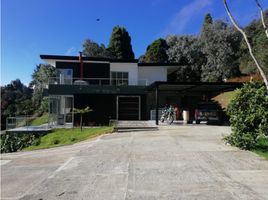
(70, 51)
(184, 15)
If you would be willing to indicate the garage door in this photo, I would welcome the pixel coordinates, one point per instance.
(128, 108)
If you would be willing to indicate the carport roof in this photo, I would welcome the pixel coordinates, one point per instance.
(194, 86)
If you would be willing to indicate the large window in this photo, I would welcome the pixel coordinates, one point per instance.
(119, 78)
(65, 76)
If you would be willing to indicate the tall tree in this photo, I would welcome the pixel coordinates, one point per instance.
(247, 42)
(120, 44)
(41, 77)
(220, 45)
(156, 52)
(186, 51)
(93, 49)
(208, 21)
(15, 100)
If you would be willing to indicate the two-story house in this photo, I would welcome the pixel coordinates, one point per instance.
(113, 88)
(118, 89)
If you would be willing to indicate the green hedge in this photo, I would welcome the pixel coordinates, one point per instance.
(248, 113)
(12, 142)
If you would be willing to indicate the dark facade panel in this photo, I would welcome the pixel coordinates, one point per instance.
(104, 108)
(91, 70)
(94, 89)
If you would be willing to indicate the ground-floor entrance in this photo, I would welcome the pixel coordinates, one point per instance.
(128, 108)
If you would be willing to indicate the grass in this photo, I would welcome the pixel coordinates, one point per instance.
(40, 120)
(225, 98)
(262, 148)
(60, 137)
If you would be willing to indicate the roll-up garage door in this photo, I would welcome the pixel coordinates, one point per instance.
(128, 108)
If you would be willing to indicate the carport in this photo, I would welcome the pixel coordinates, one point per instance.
(201, 90)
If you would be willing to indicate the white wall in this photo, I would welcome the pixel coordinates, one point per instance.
(152, 74)
(131, 68)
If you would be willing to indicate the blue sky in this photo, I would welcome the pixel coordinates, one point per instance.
(33, 27)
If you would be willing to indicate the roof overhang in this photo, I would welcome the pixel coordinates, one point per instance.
(195, 87)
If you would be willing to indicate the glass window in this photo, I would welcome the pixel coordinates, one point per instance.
(119, 78)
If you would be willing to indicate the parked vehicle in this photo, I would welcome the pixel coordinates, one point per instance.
(167, 115)
(208, 111)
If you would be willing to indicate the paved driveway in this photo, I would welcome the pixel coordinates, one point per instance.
(176, 162)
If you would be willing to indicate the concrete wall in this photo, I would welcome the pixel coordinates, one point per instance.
(152, 74)
(131, 68)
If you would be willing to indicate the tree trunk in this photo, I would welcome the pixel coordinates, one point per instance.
(248, 44)
(81, 122)
(262, 18)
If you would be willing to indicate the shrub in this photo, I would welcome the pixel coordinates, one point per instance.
(248, 113)
(12, 142)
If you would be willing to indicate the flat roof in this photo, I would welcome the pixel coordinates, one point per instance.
(76, 58)
(85, 58)
(195, 86)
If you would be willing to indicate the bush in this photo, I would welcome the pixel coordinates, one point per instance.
(12, 142)
(248, 113)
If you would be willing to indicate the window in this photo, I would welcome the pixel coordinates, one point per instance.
(119, 78)
(65, 76)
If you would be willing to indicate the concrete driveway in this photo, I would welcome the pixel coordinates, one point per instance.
(175, 162)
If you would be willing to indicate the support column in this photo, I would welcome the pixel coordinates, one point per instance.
(156, 104)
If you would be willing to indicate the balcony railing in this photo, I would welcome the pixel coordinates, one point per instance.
(93, 81)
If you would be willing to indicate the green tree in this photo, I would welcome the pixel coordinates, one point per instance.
(120, 44)
(40, 80)
(220, 45)
(156, 52)
(258, 40)
(15, 100)
(186, 51)
(81, 112)
(93, 49)
(248, 116)
(208, 21)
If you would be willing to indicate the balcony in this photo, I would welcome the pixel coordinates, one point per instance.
(94, 81)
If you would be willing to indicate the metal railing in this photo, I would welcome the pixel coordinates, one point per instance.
(20, 121)
(93, 81)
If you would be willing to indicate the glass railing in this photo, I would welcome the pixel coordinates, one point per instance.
(93, 81)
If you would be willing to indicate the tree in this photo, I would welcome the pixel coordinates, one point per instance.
(208, 21)
(41, 76)
(92, 49)
(156, 52)
(186, 51)
(15, 100)
(220, 45)
(247, 42)
(120, 44)
(262, 18)
(81, 112)
(248, 116)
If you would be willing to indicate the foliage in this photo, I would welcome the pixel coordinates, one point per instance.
(248, 116)
(40, 120)
(208, 21)
(81, 112)
(186, 51)
(262, 147)
(120, 44)
(225, 98)
(15, 100)
(12, 142)
(93, 49)
(40, 79)
(60, 137)
(156, 52)
(259, 42)
(220, 44)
